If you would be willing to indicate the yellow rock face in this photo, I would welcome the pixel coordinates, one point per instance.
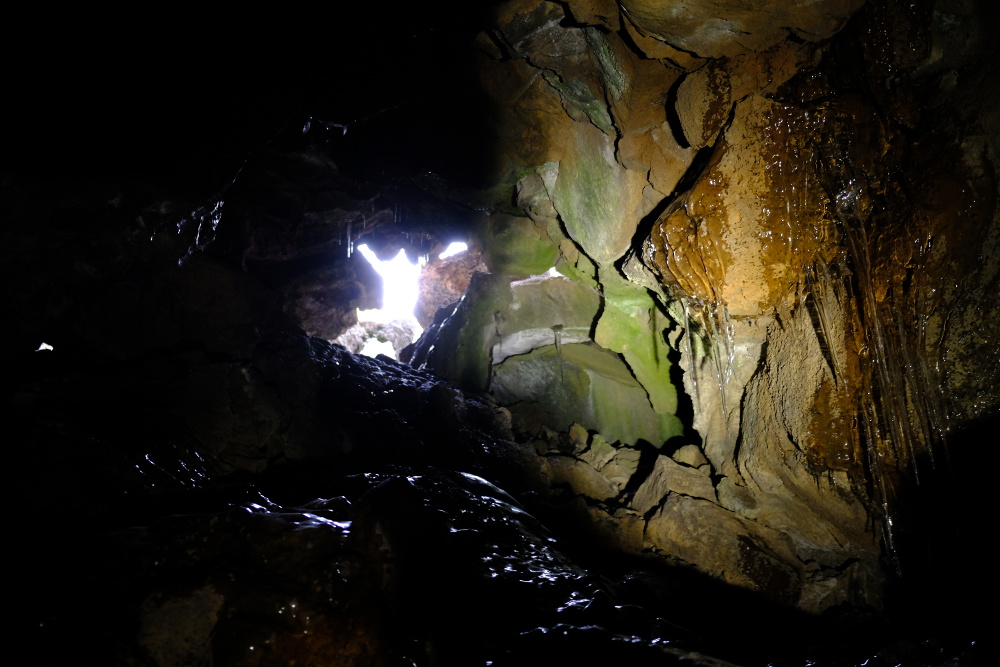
(755, 219)
(813, 210)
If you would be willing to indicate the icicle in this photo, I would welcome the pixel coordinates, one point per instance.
(824, 296)
(932, 398)
(892, 393)
(557, 333)
(872, 412)
(723, 335)
(350, 241)
(498, 337)
(688, 338)
(932, 395)
(717, 318)
(917, 391)
(873, 437)
(729, 341)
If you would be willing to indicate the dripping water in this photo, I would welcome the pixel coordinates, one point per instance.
(721, 324)
(715, 321)
(689, 348)
(821, 298)
(557, 334)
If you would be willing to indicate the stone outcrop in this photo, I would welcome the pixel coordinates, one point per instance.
(738, 191)
(722, 29)
(444, 281)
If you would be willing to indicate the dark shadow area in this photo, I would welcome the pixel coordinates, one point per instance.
(673, 119)
(944, 538)
(190, 97)
(685, 404)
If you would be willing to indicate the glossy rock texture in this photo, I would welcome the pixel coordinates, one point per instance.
(808, 191)
(775, 300)
(725, 29)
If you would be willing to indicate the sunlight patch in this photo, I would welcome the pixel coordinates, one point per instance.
(389, 329)
(454, 249)
(400, 288)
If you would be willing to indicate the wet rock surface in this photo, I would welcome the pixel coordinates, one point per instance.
(749, 205)
(749, 422)
(378, 544)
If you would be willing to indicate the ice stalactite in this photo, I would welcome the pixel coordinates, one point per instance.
(824, 302)
(557, 330)
(935, 420)
(901, 415)
(708, 332)
(721, 324)
(882, 351)
(689, 349)
(199, 226)
(832, 304)
(869, 316)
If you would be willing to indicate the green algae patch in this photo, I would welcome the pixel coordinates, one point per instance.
(463, 342)
(632, 325)
(516, 246)
(572, 263)
(612, 76)
(598, 200)
(586, 384)
(577, 95)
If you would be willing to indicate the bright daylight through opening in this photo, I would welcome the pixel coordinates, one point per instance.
(400, 289)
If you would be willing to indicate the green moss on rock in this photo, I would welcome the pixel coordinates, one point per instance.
(632, 325)
(516, 246)
(586, 384)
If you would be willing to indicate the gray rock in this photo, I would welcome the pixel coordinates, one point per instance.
(668, 476)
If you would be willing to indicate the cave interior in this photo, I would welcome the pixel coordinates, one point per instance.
(714, 383)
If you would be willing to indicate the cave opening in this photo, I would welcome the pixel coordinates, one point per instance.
(394, 326)
(400, 288)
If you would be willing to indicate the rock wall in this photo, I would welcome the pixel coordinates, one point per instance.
(739, 295)
(783, 240)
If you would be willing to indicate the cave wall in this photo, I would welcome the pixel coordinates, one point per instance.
(774, 253)
(780, 225)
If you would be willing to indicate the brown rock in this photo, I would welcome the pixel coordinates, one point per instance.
(719, 29)
(444, 281)
(581, 478)
(668, 476)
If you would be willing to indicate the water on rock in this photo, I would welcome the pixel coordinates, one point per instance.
(715, 384)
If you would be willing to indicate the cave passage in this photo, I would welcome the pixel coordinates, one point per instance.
(712, 383)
